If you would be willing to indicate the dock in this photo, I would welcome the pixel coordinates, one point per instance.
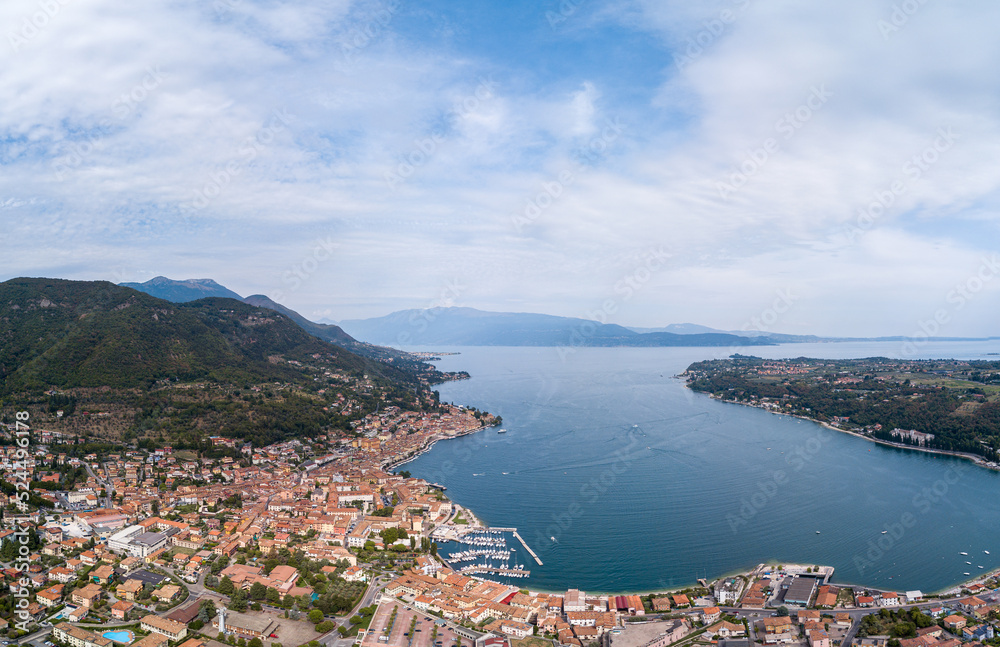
(526, 546)
(509, 572)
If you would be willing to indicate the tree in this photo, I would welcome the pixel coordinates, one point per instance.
(238, 600)
(255, 642)
(258, 591)
(315, 616)
(226, 586)
(272, 596)
(325, 626)
(783, 612)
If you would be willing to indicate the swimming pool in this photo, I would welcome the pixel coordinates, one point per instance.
(122, 637)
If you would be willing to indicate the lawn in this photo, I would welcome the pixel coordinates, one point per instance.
(533, 641)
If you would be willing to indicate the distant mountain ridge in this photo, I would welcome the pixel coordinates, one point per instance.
(182, 291)
(457, 326)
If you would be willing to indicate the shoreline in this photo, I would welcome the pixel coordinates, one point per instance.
(979, 461)
(954, 589)
(393, 463)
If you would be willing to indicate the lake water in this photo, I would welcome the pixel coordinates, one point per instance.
(622, 479)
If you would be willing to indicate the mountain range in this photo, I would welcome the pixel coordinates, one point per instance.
(188, 290)
(451, 326)
(459, 326)
(471, 327)
(69, 334)
(107, 363)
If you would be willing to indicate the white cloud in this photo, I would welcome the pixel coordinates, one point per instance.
(118, 117)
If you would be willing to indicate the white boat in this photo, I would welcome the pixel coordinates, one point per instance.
(987, 552)
(553, 539)
(963, 553)
(501, 431)
(884, 531)
(964, 573)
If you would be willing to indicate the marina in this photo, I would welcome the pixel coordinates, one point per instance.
(489, 552)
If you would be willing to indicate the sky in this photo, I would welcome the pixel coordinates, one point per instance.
(829, 167)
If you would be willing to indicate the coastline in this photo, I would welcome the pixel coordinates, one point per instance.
(393, 463)
(975, 459)
(951, 590)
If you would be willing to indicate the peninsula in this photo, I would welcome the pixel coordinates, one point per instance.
(945, 406)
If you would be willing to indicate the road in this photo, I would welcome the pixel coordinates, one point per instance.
(108, 488)
(752, 615)
(333, 639)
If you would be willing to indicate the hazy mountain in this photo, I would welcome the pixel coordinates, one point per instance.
(182, 291)
(471, 327)
(680, 329)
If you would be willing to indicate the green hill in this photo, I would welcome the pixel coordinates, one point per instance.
(124, 365)
(56, 333)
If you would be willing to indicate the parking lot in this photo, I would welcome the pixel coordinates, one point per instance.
(428, 631)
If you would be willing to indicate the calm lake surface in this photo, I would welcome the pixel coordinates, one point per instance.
(645, 485)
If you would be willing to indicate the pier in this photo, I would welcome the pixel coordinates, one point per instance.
(526, 546)
(509, 572)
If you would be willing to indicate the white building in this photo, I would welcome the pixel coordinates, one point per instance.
(727, 592)
(119, 541)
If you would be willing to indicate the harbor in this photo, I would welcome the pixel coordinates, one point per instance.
(488, 551)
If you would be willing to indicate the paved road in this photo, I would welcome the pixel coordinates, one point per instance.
(333, 639)
(108, 488)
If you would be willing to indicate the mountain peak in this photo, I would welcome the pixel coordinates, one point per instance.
(182, 291)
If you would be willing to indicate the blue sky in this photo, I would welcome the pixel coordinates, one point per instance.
(653, 162)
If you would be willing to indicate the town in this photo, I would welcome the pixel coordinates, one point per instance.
(287, 546)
